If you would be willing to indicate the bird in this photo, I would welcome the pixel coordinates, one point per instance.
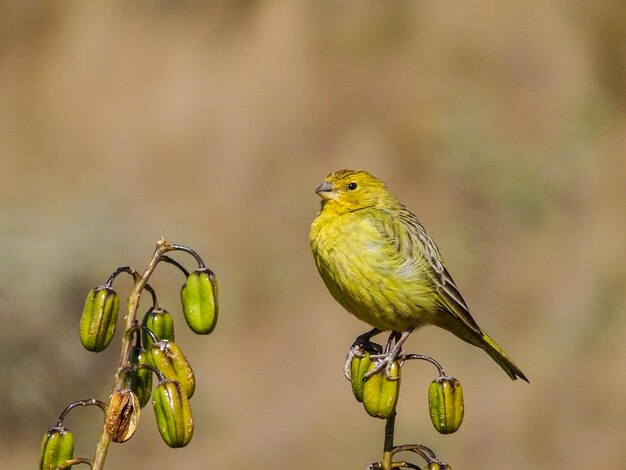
(381, 265)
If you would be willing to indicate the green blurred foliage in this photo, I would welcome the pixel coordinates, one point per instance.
(501, 124)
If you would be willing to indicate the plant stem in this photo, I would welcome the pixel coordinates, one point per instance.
(162, 247)
(72, 462)
(71, 406)
(388, 447)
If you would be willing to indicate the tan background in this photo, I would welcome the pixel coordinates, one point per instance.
(501, 124)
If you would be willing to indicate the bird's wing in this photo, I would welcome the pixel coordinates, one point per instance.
(450, 297)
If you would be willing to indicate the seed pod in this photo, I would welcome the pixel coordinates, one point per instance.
(171, 362)
(122, 415)
(173, 413)
(97, 323)
(445, 404)
(160, 322)
(199, 297)
(359, 366)
(140, 379)
(380, 394)
(57, 447)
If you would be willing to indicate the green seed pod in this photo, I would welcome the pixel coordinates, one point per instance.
(171, 362)
(122, 415)
(199, 297)
(173, 413)
(380, 394)
(445, 404)
(57, 447)
(97, 323)
(160, 322)
(140, 379)
(358, 367)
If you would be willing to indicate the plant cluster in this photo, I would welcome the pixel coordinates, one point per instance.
(378, 389)
(148, 349)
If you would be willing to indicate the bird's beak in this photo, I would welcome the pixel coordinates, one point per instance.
(326, 191)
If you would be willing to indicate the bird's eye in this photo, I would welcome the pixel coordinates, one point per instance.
(352, 186)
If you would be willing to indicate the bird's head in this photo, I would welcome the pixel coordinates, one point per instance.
(348, 190)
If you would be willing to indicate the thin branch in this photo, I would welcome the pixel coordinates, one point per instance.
(131, 368)
(422, 357)
(169, 260)
(162, 247)
(92, 401)
(120, 270)
(390, 426)
(76, 461)
(186, 249)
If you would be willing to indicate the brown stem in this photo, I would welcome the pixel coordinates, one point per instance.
(162, 247)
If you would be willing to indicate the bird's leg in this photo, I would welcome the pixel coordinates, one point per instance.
(361, 345)
(364, 339)
(386, 360)
(394, 336)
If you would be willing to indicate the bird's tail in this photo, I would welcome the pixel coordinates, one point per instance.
(501, 358)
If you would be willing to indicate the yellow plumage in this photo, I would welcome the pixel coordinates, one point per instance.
(380, 264)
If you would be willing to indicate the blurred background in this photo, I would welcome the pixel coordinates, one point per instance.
(502, 125)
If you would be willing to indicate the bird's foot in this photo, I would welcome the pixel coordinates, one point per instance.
(361, 345)
(385, 361)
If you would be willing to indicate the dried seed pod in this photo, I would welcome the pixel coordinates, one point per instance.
(199, 298)
(173, 413)
(167, 357)
(139, 380)
(122, 415)
(380, 393)
(57, 447)
(445, 404)
(358, 367)
(160, 323)
(99, 318)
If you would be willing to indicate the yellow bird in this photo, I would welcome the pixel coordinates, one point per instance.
(380, 264)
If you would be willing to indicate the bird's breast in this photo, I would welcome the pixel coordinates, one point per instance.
(362, 274)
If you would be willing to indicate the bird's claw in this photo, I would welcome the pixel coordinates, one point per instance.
(383, 361)
(389, 356)
(358, 349)
(355, 351)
